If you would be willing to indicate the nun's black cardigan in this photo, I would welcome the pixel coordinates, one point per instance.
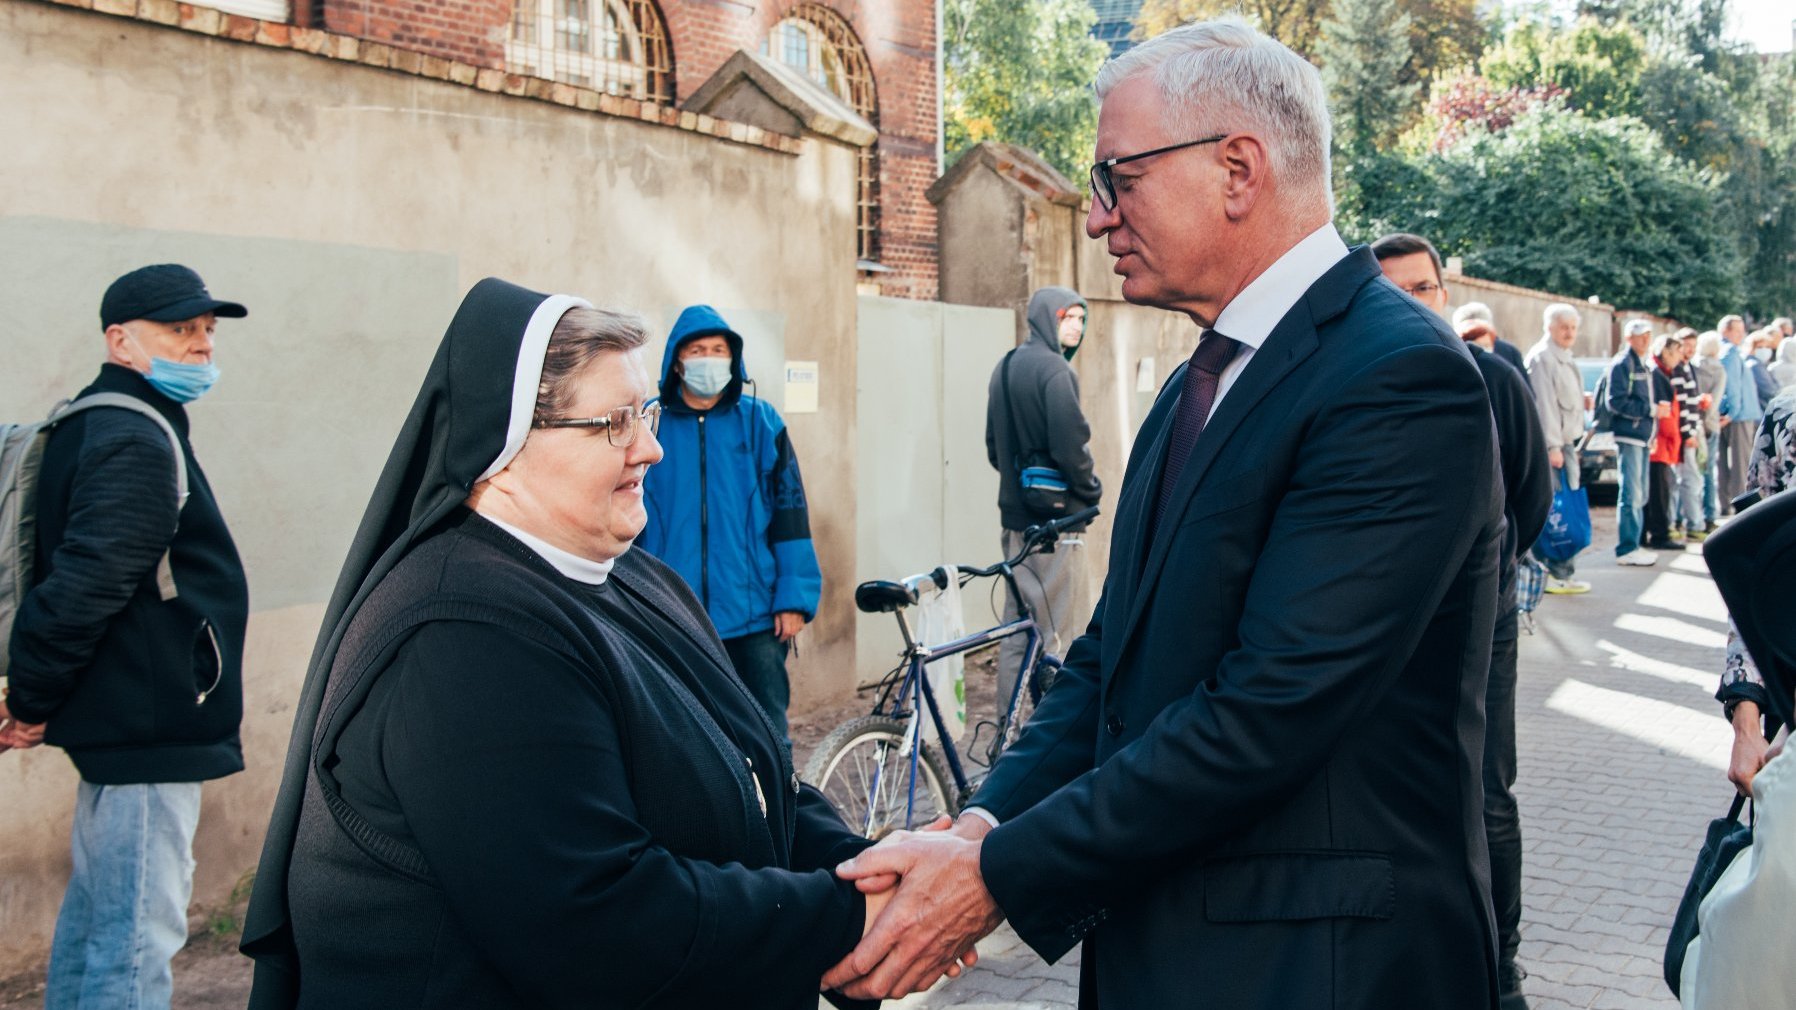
(515, 800)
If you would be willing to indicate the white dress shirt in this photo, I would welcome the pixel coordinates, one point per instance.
(1253, 314)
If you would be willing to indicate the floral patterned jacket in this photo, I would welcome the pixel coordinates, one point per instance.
(1773, 468)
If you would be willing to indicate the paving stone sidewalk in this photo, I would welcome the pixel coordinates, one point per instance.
(1622, 757)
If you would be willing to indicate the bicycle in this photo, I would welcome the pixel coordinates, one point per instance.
(879, 770)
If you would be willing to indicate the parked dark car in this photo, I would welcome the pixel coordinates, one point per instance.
(1598, 468)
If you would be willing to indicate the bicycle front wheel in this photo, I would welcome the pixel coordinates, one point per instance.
(864, 771)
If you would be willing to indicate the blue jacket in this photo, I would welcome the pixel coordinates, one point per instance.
(726, 505)
(1740, 398)
(1630, 399)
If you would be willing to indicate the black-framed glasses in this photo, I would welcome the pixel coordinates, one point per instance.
(1103, 185)
(1422, 290)
(620, 423)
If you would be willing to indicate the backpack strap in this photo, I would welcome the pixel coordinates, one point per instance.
(165, 574)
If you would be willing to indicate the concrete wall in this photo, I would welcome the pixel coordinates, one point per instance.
(350, 207)
(1517, 313)
(927, 494)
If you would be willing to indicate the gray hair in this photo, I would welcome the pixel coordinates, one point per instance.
(579, 337)
(1470, 311)
(1709, 345)
(1223, 76)
(1557, 311)
(1636, 327)
(1727, 322)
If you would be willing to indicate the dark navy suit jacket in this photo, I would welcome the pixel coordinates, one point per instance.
(1257, 781)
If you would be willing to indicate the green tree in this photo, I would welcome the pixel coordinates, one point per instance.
(1020, 72)
(1444, 35)
(1598, 65)
(1364, 49)
(1564, 202)
(1296, 23)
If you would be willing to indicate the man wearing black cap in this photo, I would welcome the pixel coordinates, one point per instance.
(127, 650)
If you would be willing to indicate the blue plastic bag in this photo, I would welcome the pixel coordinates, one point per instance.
(1568, 525)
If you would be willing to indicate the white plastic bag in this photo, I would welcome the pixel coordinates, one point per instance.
(940, 621)
(1741, 957)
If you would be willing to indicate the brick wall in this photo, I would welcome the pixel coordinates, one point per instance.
(467, 31)
(899, 36)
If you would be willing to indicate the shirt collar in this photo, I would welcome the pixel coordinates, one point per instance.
(1252, 315)
(586, 570)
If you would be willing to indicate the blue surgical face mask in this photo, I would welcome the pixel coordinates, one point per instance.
(705, 376)
(180, 382)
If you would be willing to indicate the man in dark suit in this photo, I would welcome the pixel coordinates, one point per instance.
(1412, 263)
(1257, 782)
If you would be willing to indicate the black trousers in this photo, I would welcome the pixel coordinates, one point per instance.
(1502, 817)
(1656, 525)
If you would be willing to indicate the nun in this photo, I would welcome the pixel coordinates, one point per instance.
(522, 773)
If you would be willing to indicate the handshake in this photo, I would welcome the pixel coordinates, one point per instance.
(926, 906)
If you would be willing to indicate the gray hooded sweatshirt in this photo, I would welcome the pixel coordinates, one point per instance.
(1044, 395)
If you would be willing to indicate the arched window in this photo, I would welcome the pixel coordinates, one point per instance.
(615, 46)
(819, 43)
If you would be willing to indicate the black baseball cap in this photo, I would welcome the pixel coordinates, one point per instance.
(164, 293)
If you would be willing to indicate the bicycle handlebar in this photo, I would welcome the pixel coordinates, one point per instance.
(1033, 537)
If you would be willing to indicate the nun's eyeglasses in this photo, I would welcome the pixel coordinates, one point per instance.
(619, 423)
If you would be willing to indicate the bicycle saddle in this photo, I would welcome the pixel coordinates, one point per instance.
(882, 597)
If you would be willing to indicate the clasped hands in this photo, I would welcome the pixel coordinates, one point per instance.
(926, 906)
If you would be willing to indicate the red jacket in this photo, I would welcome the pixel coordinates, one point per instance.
(1668, 442)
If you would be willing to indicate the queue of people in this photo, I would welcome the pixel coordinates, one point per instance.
(540, 756)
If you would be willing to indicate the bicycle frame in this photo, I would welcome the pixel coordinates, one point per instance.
(915, 685)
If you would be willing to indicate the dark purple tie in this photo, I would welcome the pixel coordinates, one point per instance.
(1213, 354)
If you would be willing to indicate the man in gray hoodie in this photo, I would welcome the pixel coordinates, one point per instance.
(1032, 418)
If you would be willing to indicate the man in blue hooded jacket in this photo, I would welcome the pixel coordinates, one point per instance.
(727, 507)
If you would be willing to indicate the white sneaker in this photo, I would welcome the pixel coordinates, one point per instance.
(1640, 558)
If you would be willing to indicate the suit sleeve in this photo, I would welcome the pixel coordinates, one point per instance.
(1360, 552)
(797, 580)
(1527, 478)
(121, 518)
(520, 798)
(1069, 436)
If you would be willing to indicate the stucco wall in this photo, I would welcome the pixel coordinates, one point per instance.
(350, 207)
(1517, 313)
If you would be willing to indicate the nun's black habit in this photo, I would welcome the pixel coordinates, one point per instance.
(509, 788)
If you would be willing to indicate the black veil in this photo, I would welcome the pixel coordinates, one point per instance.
(469, 419)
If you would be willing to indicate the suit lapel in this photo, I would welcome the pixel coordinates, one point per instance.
(1134, 507)
(1290, 343)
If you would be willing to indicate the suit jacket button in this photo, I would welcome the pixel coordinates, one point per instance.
(1115, 725)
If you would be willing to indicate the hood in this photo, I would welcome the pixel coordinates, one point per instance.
(469, 419)
(695, 322)
(1045, 307)
(1786, 351)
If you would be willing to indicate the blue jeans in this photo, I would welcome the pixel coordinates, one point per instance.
(1711, 496)
(124, 914)
(1631, 507)
(1690, 492)
(760, 661)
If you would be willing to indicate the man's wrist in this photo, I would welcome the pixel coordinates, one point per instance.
(981, 815)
